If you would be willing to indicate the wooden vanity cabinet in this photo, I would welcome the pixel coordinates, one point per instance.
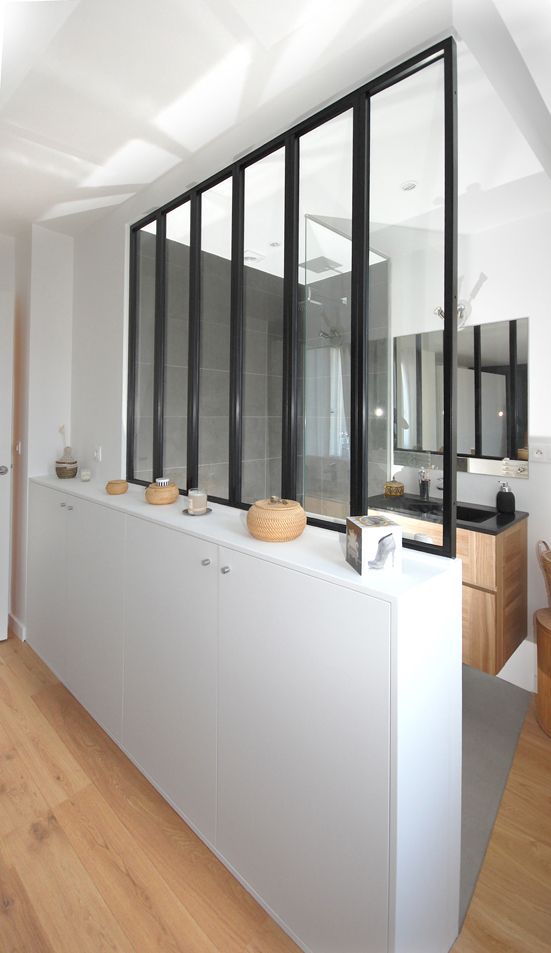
(494, 595)
(494, 588)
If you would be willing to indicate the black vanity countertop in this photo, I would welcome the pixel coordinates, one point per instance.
(480, 519)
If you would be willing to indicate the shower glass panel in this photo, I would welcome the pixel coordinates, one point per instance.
(407, 230)
(145, 351)
(325, 262)
(176, 345)
(263, 327)
(214, 371)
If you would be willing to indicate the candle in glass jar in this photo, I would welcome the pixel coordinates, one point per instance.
(197, 501)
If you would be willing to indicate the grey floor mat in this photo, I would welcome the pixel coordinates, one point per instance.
(493, 715)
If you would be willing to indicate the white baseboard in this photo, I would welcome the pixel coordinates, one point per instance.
(522, 667)
(17, 627)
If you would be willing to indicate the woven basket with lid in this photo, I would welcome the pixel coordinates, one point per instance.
(276, 520)
(159, 495)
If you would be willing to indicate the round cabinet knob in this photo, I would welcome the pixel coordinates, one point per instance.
(225, 570)
(3, 470)
(63, 504)
(206, 562)
(69, 507)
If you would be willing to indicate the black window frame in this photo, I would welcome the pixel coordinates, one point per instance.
(359, 102)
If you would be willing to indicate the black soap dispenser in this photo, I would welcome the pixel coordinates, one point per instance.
(505, 499)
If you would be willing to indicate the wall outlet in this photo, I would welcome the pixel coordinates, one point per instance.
(97, 454)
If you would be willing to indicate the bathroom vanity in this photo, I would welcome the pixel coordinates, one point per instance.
(493, 551)
(304, 721)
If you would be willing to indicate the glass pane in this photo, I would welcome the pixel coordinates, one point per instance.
(263, 327)
(405, 437)
(145, 352)
(495, 389)
(214, 375)
(325, 261)
(176, 349)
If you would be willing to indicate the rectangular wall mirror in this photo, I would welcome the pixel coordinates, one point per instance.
(492, 396)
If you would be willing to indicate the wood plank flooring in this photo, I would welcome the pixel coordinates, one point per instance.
(92, 859)
(511, 908)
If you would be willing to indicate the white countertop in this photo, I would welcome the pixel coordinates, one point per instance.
(319, 552)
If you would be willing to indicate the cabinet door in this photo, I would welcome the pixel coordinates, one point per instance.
(94, 618)
(169, 720)
(46, 585)
(479, 629)
(303, 745)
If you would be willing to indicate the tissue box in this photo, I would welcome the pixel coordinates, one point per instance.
(373, 543)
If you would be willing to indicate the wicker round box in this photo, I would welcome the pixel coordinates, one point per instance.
(66, 470)
(116, 487)
(275, 520)
(159, 495)
(394, 488)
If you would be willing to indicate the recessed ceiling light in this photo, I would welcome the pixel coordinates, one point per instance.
(252, 257)
(408, 185)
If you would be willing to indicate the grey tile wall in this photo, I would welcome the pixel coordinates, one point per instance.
(262, 383)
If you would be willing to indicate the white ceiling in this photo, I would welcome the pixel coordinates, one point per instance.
(98, 98)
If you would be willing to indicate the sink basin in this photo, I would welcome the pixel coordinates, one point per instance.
(472, 514)
(420, 506)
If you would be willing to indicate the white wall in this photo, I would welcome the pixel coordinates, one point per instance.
(50, 351)
(516, 260)
(100, 347)
(7, 307)
(42, 363)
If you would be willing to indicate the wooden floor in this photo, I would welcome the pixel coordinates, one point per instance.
(92, 859)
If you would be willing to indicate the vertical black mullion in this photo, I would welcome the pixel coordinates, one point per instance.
(512, 441)
(132, 355)
(450, 298)
(477, 392)
(419, 391)
(236, 334)
(359, 300)
(290, 321)
(194, 341)
(160, 334)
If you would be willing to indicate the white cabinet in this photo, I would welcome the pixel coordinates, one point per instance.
(75, 591)
(285, 708)
(304, 755)
(169, 725)
(46, 586)
(94, 610)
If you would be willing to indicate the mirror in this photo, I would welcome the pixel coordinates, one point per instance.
(492, 396)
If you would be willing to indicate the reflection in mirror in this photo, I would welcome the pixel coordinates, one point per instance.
(492, 392)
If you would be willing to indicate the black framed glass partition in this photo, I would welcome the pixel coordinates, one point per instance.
(266, 306)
